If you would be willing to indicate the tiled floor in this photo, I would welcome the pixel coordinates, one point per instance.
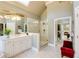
(46, 52)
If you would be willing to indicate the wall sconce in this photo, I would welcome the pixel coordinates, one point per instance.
(7, 16)
(43, 30)
(16, 18)
(43, 23)
(35, 22)
(12, 17)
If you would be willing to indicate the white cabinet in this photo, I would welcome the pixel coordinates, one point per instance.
(14, 46)
(9, 48)
(36, 41)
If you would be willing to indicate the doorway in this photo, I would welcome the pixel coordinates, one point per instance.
(62, 28)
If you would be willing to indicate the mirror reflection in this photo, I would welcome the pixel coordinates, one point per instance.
(13, 22)
(63, 29)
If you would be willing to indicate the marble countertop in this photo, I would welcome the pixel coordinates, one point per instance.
(17, 35)
(12, 36)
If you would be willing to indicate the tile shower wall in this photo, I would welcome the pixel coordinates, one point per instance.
(44, 28)
(32, 25)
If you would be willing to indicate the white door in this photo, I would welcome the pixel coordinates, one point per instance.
(76, 29)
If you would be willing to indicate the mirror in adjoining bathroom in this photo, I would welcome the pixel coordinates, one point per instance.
(62, 29)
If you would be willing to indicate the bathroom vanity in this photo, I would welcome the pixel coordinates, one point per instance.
(15, 44)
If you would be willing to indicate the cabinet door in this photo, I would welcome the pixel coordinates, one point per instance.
(9, 50)
(17, 46)
(25, 43)
(29, 42)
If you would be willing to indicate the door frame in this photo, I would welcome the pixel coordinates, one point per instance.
(76, 32)
(55, 20)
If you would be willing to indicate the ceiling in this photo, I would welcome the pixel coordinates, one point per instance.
(34, 7)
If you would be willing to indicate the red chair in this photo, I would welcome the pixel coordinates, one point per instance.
(67, 49)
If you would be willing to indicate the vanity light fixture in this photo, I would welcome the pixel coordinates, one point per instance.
(1, 17)
(16, 18)
(7, 16)
(36, 22)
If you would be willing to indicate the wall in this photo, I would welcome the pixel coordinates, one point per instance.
(75, 4)
(57, 10)
(44, 34)
(33, 25)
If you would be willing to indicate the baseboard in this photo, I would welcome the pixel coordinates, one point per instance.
(35, 49)
(52, 45)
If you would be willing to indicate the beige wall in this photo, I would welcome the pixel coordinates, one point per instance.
(57, 10)
(44, 34)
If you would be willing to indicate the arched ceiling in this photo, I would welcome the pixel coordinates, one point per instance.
(34, 7)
